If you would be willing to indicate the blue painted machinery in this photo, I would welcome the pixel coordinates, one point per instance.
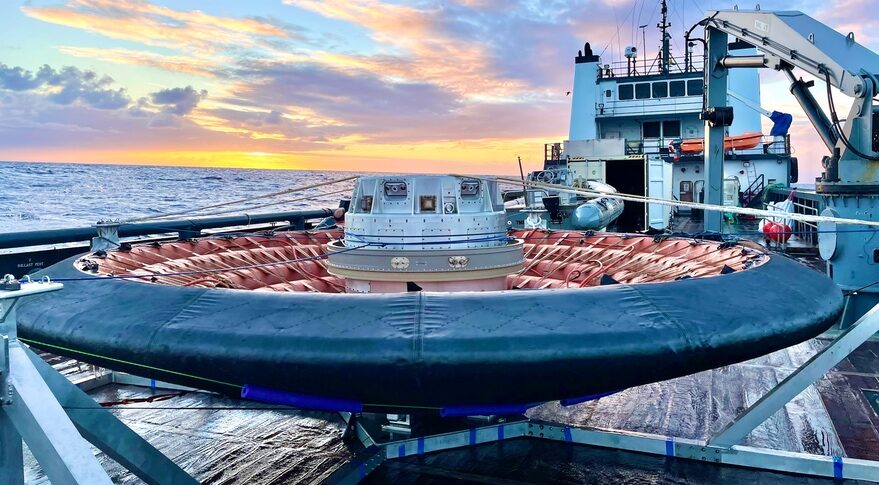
(850, 181)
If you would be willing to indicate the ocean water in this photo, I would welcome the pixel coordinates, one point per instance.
(36, 196)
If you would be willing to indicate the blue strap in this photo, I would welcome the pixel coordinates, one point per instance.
(472, 436)
(401, 451)
(500, 432)
(568, 436)
(670, 446)
(421, 445)
(837, 467)
(307, 401)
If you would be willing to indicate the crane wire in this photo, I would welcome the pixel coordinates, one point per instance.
(610, 42)
(700, 205)
(837, 124)
(239, 201)
(260, 206)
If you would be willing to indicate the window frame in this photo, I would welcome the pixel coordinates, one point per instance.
(658, 124)
(692, 82)
(683, 91)
(653, 86)
(666, 135)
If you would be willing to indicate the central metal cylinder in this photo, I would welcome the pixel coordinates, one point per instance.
(430, 232)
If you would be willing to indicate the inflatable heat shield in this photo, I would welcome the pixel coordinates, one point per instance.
(559, 331)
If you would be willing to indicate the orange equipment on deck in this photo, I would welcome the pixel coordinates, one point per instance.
(738, 142)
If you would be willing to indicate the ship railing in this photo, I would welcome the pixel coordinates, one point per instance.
(767, 145)
(644, 67)
(754, 190)
(771, 145)
(648, 146)
(45, 247)
(804, 203)
(552, 151)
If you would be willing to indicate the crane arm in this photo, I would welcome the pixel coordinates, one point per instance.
(792, 38)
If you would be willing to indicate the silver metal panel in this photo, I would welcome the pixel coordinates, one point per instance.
(107, 433)
(132, 380)
(459, 262)
(11, 462)
(799, 380)
(64, 455)
(425, 212)
(457, 439)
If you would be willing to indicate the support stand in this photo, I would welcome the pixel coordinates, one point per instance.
(715, 97)
(57, 420)
(722, 448)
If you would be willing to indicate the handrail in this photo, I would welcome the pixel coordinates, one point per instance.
(638, 67)
(76, 234)
(756, 187)
(760, 178)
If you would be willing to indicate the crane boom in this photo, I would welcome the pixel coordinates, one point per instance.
(795, 39)
(849, 183)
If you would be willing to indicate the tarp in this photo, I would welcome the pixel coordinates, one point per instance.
(780, 123)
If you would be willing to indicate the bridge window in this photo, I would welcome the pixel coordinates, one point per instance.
(642, 90)
(694, 87)
(660, 89)
(661, 129)
(627, 91)
(671, 128)
(676, 89)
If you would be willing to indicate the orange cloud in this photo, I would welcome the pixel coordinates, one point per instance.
(432, 98)
(839, 15)
(184, 64)
(157, 25)
(424, 51)
(482, 157)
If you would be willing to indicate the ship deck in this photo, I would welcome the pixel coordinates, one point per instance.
(221, 440)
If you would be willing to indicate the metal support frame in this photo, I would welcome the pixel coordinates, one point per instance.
(715, 97)
(721, 449)
(374, 454)
(797, 382)
(57, 420)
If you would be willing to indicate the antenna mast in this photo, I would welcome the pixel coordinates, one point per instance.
(665, 53)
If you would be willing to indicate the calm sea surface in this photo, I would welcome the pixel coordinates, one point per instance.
(36, 196)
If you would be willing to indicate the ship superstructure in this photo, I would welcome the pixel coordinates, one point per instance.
(636, 125)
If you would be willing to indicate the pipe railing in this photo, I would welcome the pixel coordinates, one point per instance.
(183, 227)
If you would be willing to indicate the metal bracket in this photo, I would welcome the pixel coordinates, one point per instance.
(701, 452)
(5, 386)
(108, 236)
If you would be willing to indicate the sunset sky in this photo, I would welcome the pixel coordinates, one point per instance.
(364, 85)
